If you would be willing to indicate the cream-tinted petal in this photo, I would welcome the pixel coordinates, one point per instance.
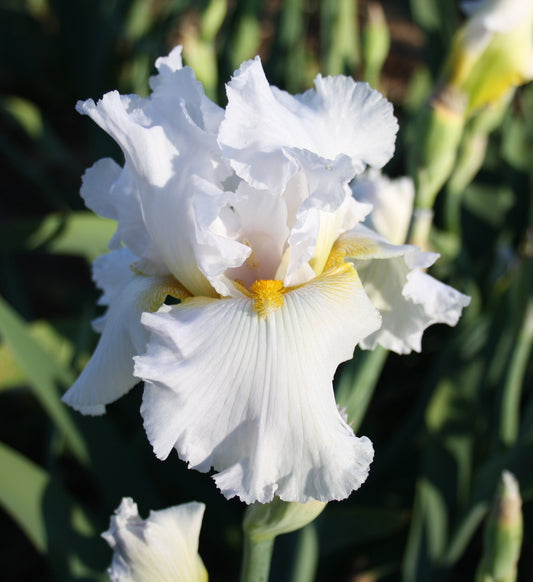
(162, 547)
(253, 397)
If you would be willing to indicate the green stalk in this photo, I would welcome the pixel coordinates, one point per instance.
(306, 560)
(357, 384)
(513, 384)
(256, 560)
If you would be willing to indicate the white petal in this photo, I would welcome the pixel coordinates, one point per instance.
(261, 223)
(364, 243)
(166, 151)
(253, 396)
(163, 547)
(403, 321)
(96, 184)
(264, 128)
(142, 140)
(176, 83)
(422, 302)
(326, 211)
(111, 191)
(111, 272)
(355, 120)
(109, 373)
(441, 303)
(392, 202)
(215, 226)
(409, 300)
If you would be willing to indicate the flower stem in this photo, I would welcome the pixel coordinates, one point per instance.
(256, 560)
(510, 410)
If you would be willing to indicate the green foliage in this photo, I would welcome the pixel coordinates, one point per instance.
(445, 423)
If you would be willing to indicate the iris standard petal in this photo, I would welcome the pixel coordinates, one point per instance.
(264, 127)
(245, 387)
(167, 147)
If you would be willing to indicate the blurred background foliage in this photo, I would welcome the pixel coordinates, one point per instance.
(445, 423)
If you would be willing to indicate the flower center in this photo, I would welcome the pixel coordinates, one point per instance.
(267, 295)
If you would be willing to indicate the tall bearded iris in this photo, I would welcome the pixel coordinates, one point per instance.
(246, 217)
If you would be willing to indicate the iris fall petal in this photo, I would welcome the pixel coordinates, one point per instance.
(252, 396)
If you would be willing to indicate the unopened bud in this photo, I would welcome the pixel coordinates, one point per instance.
(492, 52)
(503, 534)
(266, 521)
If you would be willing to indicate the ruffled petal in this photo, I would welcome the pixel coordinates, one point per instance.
(409, 300)
(265, 129)
(252, 396)
(163, 547)
(363, 243)
(176, 83)
(168, 146)
(109, 373)
(111, 191)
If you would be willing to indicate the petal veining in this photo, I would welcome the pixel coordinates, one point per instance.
(252, 396)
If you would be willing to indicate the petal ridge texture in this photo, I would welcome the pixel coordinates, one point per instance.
(252, 396)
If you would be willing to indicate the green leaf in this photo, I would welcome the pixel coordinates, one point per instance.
(77, 233)
(306, 555)
(21, 493)
(427, 535)
(48, 516)
(11, 373)
(43, 372)
(341, 527)
(357, 383)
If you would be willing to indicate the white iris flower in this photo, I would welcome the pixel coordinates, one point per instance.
(163, 547)
(245, 215)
